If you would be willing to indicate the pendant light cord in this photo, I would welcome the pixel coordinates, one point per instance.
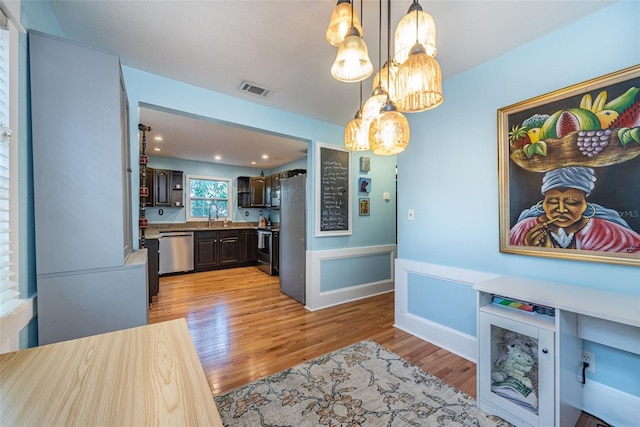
(362, 18)
(388, 47)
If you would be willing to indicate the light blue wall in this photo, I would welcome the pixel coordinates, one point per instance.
(449, 173)
(146, 88)
(345, 272)
(376, 229)
(189, 167)
(444, 302)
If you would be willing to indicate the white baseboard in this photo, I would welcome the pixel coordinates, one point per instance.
(613, 406)
(449, 339)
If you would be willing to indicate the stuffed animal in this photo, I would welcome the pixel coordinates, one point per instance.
(515, 364)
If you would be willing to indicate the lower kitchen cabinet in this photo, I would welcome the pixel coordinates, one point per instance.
(153, 266)
(205, 250)
(229, 247)
(250, 246)
(217, 249)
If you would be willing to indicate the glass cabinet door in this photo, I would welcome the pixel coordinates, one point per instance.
(516, 368)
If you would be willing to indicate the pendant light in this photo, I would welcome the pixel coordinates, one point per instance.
(354, 137)
(387, 74)
(352, 62)
(419, 79)
(340, 23)
(407, 33)
(389, 133)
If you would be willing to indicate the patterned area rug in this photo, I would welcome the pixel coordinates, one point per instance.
(360, 385)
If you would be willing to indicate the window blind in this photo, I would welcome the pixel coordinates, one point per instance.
(9, 295)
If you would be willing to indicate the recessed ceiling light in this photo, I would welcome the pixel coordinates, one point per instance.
(217, 157)
(265, 156)
(157, 138)
(156, 149)
(253, 163)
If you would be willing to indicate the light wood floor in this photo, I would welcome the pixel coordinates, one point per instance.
(244, 328)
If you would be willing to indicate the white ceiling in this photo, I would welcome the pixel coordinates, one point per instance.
(280, 45)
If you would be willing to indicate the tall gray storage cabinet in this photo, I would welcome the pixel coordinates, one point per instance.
(89, 281)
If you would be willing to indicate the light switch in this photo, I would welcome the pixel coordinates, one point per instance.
(411, 215)
(386, 196)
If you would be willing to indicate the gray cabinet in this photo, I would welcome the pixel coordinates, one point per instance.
(87, 274)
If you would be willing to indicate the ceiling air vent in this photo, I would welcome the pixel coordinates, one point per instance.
(254, 89)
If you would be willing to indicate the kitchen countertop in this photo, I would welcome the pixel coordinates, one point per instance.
(153, 230)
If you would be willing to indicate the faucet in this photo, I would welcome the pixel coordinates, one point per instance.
(210, 206)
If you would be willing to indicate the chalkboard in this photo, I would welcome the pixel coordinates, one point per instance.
(333, 216)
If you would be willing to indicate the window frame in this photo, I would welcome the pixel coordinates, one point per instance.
(16, 321)
(229, 198)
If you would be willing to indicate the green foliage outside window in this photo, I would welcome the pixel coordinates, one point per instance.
(204, 193)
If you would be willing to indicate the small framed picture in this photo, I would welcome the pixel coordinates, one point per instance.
(364, 206)
(365, 164)
(364, 184)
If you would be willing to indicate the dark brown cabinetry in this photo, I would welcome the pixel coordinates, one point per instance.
(258, 191)
(244, 195)
(250, 246)
(153, 266)
(275, 246)
(262, 191)
(229, 247)
(205, 250)
(216, 249)
(161, 187)
(165, 188)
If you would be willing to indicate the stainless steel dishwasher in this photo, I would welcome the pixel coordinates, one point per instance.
(176, 252)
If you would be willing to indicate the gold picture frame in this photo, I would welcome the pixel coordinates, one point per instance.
(569, 172)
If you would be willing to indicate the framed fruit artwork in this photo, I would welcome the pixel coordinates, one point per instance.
(569, 172)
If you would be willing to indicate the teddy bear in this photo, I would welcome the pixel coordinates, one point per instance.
(516, 363)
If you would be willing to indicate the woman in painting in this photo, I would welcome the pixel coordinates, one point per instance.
(564, 218)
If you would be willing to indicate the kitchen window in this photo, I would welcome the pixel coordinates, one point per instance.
(208, 196)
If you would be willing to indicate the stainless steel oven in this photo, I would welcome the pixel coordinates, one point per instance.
(267, 251)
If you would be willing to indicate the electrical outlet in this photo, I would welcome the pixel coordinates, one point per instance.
(411, 215)
(590, 358)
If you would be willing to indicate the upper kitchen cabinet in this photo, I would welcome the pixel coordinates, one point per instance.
(165, 188)
(89, 279)
(258, 191)
(244, 200)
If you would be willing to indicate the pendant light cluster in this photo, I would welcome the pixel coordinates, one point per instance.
(409, 82)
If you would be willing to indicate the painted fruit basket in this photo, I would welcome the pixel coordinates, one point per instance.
(593, 148)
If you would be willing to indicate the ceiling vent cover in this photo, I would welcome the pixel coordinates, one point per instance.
(254, 89)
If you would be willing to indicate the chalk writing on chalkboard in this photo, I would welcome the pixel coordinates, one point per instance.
(334, 203)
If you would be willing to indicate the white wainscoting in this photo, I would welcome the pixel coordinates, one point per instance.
(611, 405)
(316, 299)
(456, 342)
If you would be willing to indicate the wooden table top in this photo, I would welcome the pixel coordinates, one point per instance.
(145, 376)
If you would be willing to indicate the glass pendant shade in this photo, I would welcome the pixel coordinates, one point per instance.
(340, 23)
(381, 79)
(389, 133)
(418, 83)
(371, 109)
(354, 138)
(352, 62)
(405, 36)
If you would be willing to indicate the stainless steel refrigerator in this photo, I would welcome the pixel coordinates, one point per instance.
(293, 245)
